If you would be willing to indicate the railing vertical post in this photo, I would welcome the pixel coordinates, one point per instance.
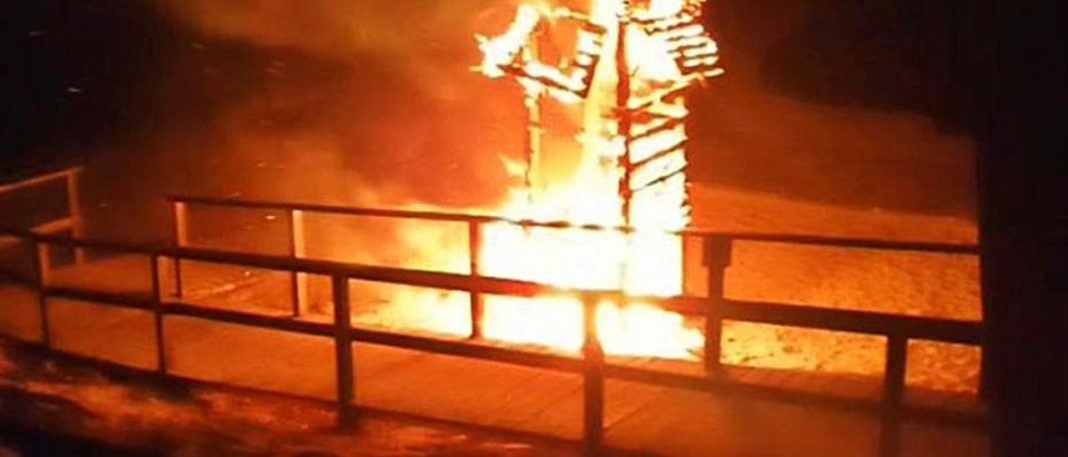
(179, 211)
(297, 249)
(343, 349)
(157, 308)
(41, 269)
(74, 207)
(717, 259)
(592, 381)
(474, 249)
(893, 395)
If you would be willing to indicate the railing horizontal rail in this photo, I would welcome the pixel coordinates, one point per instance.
(420, 278)
(72, 222)
(13, 277)
(860, 322)
(83, 242)
(912, 327)
(851, 243)
(37, 180)
(334, 209)
(460, 348)
(56, 226)
(841, 242)
(464, 348)
(772, 313)
(249, 319)
(124, 300)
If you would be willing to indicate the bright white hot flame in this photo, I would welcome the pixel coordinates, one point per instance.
(503, 50)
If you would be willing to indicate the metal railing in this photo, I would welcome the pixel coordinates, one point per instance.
(72, 222)
(714, 308)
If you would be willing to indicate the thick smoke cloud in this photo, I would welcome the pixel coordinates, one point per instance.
(399, 116)
(335, 27)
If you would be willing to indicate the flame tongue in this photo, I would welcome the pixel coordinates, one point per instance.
(629, 71)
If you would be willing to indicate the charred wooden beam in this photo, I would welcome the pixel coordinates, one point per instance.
(41, 270)
(250, 319)
(593, 375)
(678, 146)
(343, 349)
(474, 250)
(893, 396)
(717, 259)
(625, 120)
(664, 124)
(157, 315)
(660, 180)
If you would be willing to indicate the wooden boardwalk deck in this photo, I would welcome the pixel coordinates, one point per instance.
(638, 417)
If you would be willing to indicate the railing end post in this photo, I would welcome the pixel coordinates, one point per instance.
(717, 259)
(343, 349)
(41, 266)
(158, 311)
(893, 395)
(474, 248)
(297, 250)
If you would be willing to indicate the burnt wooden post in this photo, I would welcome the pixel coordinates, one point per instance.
(474, 247)
(179, 211)
(41, 270)
(625, 115)
(985, 372)
(74, 207)
(343, 349)
(893, 395)
(297, 249)
(157, 308)
(592, 380)
(717, 259)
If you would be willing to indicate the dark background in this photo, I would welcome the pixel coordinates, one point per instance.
(862, 104)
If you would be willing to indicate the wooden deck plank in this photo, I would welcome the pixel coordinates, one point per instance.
(933, 440)
(119, 335)
(250, 357)
(689, 423)
(624, 399)
(484, 393)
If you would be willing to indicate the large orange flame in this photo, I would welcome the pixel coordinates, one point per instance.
(645, 262)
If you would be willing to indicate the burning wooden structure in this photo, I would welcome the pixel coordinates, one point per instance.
(630, 71)
(624, 84)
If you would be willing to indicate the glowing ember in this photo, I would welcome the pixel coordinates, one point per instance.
(630, 67)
